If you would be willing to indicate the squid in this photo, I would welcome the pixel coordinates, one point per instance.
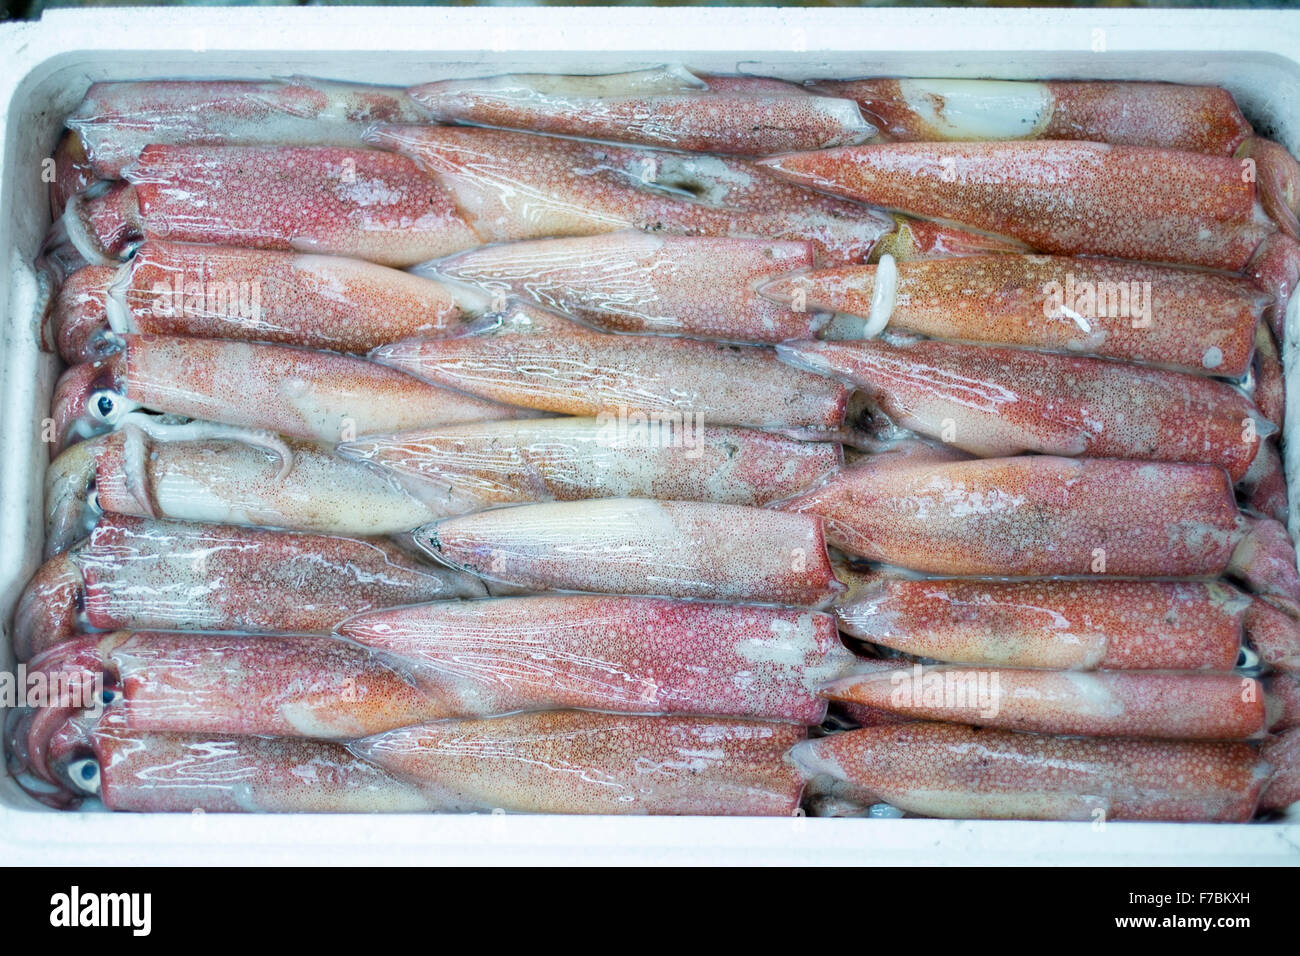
(1068, 624)
(139, 574)
(1204, 119)
(519, 186)
(1104, 703)
(225, 292)
(626, 654)
(948, 770)
(589, 373)
(1044, 516)
(221, 480)
(1191, 320)
(1283, 752)
(679, 549)
(666, 106)
(464, 468)
(628, 281)
(364, 203)
(301, 393)
(996, 402)
(558, 762)
(1074, 198)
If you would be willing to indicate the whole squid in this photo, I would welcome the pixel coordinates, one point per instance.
(226, 292)
(1187, 319)
(462, 468)
(947, 770)
(680, 549)
(364, 203)
(665, 106)
(1073, 198)
(139, 574)
(1067, 624)
(298, 392)
(630, 281)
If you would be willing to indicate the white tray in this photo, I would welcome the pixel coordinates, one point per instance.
(45, 68)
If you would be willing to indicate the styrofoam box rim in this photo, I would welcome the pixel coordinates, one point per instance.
(44, 69)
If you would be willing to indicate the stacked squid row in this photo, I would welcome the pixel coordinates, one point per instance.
(667, 443)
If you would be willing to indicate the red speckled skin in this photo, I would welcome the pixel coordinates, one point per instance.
(1200, 118)
(136, 574)
(1283, 752)
(632, 655)
(1144, 625)
(350, 202)
(575, 762)
(323, 302)
(518, 186)
(180, 773)
(947, 770)
(469, 467)
(302, 393)
(734, 115)
(1065, 198)
(996, 402)
(116, 121)
(265, 684)
(680, 549)
(1200, 321)
(633, 282)
(1033, 516)
(222, 481)
(72, 172)
(587, 373)
(1162, 704)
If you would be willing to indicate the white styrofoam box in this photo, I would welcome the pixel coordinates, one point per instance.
(45, 68)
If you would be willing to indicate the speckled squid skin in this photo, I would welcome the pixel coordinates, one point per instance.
(287, 298)
(1204, 119)
(681, 549)
(72, 172)
(1198, 321)
(364, 203)
(181, 773)
(518, 186)
(996, 402)
(667, 107)
(222, 481)
(947, 770)
(1064, 198)
(469, 467)
(1034, 516)
(629, 281)
(587, 373)
(139, 574)
(1175, 705)
(576, 762)
(1283, 752)
(1063, 624)
(301, 393)
(622, 654)
(282, 685)
(116, 121)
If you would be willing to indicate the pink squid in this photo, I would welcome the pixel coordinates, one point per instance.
(364, 203)
(298, 392)
(993, 401)
(678, 549)
(947, 770)
(138, 574)
(287, 298)
(1187, 319)
(461, 468)
(1044, 516)
(629, 281)
(665, 106)
(1072, 198)
(1067, 624)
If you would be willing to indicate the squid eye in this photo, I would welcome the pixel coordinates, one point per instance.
(84, 775)
(102, 405)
